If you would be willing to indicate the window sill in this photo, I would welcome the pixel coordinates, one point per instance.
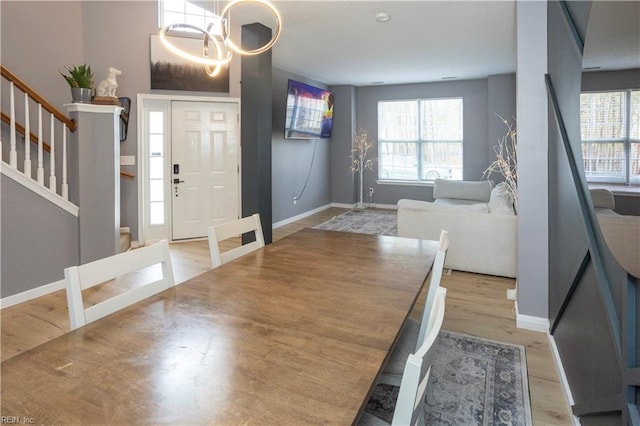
(404, 183)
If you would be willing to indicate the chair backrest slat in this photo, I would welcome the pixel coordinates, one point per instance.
(125, 263)
(231, 229)
(410, 403)
(434, 283)
(85, 276)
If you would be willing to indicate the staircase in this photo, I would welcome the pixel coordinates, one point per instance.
(51, 126)
(60, 181)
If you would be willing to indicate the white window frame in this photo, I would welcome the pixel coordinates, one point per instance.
(419, 143)
(207, 16)
(626, 140)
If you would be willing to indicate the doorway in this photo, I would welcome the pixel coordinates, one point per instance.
(189, 165)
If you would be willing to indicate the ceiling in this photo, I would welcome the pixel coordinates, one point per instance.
(340, 42)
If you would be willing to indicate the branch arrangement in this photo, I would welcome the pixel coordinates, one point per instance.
(506, 162)
(361, 147)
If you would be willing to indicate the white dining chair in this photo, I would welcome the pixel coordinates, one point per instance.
(413, 331)
(231, 229)
(79, 278)
(409, 409)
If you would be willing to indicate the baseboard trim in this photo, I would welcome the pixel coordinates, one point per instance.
(34, 293)
(528, 322)
(563, 377)
(343, 205)
(301, 216)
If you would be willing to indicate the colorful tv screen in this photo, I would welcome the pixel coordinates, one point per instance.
(309, 112)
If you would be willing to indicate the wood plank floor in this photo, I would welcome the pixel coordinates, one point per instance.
(476, 305)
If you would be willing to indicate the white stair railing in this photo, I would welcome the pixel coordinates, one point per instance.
(15, 129)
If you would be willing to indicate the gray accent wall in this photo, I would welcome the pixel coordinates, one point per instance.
(482, 98)
(501, 103)
(343, 180)
(39, 239)
(295, 160)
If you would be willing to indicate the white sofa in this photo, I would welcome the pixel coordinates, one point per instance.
(480, 219)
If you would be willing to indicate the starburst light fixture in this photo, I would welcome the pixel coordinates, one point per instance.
(218, 48)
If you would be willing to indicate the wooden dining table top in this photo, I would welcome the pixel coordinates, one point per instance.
(294, 333)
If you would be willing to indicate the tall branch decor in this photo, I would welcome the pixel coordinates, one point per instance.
(362, 147)
(506, 162)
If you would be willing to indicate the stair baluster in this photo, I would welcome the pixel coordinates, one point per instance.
(13, 154)
(52, 157)
(27, 133)
(40, 172)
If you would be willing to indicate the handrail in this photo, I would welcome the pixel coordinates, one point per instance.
(70, 123)
(20, 129)
(45, 146)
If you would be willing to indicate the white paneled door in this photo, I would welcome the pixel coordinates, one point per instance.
(204, 172)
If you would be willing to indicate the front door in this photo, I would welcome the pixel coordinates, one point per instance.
(204, 173)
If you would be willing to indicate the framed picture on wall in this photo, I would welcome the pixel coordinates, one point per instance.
(171, 72)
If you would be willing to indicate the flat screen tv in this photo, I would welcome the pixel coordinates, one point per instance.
(309, 112)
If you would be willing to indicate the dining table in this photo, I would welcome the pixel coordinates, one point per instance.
(294, 333)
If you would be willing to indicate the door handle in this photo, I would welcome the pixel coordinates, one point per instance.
(177, 181)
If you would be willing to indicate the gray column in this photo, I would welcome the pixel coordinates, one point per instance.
(531, 103)
(98, 179)
(256, 127)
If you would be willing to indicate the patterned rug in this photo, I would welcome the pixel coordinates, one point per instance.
(378, 222)
(473, 381)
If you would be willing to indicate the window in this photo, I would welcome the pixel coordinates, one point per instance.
(156, 167)
(420, 140)
(610, 132)
(184, 12)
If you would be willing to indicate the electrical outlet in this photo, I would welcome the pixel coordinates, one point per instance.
(295, 200)
(127, 160)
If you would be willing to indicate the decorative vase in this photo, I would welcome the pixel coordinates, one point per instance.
(81, 95)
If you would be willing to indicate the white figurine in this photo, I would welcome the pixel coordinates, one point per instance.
(108, 86)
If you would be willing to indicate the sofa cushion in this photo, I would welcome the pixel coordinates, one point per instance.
(463, 189)
(454, 202)
(443, 207)
(500, 202)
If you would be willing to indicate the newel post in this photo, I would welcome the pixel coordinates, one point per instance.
(98, 166)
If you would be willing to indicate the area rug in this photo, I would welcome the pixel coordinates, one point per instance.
(363, 221)
(473, 381)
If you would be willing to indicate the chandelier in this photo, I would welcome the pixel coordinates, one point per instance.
(218, 48)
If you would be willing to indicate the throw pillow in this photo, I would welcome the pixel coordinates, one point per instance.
(463, 189)
(500, 202)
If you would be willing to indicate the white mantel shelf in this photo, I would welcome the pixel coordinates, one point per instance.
(97, 109)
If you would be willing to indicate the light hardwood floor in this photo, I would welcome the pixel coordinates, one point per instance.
(476, 305)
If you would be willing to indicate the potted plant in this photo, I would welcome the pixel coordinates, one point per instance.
(80, 79)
